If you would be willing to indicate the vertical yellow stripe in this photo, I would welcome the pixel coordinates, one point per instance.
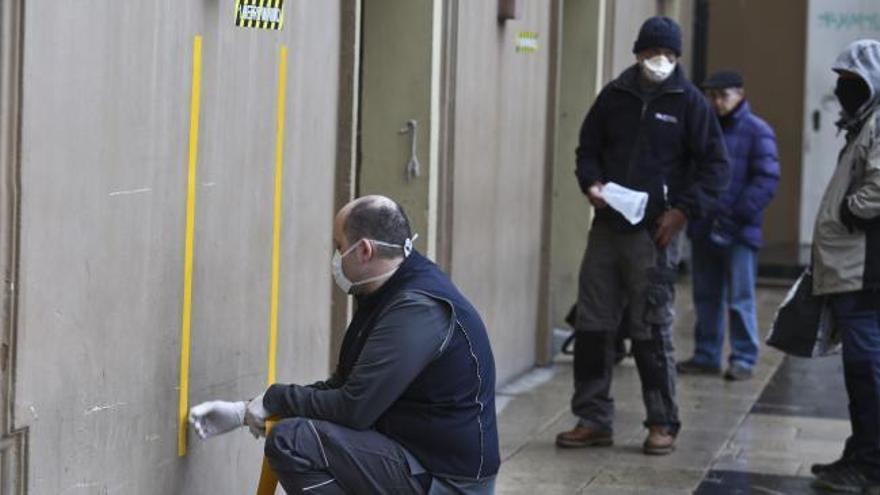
(188, 247)
(276, 225)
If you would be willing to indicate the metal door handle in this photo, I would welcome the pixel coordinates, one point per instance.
(412, 166)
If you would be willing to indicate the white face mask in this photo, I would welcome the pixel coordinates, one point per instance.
(657, 68)
(345, 284)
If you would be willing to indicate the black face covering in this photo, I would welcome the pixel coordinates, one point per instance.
(852, 93)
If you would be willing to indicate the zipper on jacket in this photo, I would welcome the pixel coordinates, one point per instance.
(645, 103)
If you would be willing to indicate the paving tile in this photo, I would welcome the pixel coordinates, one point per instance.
(753, 463)
(532, 489)
(806, 387)
(737, 483)
(634, 476)
(619, 490)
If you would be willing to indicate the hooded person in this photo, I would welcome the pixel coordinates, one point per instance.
(846, 263)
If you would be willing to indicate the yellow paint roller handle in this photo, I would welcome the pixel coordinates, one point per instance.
(268, 481)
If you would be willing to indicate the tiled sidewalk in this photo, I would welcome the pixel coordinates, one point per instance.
(750, 437)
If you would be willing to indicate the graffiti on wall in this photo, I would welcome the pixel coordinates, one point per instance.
(850, 21)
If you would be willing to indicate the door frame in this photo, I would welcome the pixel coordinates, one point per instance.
(13, 442)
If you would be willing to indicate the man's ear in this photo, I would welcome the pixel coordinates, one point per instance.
(365, 250)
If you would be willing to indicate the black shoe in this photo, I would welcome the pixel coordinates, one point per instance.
(691, 367)
(738, 373)
(821, 468)
(845, 478)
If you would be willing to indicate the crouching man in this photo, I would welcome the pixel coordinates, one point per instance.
(411, 405)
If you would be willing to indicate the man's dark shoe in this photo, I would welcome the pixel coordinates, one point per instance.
(738, 373)
(582, 436)
(821, 468)
(659, 441)
(691, 367)
(846, 478)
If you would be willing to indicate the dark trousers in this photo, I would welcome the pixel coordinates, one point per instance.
(592, 401)
(625, 280)
(311, 456)
(858, 316)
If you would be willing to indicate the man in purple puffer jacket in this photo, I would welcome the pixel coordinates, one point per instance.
(726, 243)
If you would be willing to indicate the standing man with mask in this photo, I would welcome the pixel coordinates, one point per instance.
(726, 241)
(411, 406)
(649, 130)
(846, 264)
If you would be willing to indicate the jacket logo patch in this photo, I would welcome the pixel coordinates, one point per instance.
(666, 118)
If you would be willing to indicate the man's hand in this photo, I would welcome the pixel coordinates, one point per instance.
(594, 194)
(216, 417)
(255, 417)
(668, 226)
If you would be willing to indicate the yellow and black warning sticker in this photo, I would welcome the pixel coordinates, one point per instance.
(260, 14)
(527, 42)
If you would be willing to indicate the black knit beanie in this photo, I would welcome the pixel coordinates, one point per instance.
(659, 32)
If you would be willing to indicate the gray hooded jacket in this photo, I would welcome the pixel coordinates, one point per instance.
(846, 244)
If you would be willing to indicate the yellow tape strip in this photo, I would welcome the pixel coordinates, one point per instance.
(188, 248)
(276, 226)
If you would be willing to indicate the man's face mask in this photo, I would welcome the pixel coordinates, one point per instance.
(346, 284)
(852, 93)
(657, 68)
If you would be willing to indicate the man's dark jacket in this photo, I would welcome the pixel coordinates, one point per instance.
(445, 414)
(667, 143)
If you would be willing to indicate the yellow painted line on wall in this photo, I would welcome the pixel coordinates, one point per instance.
(188, 246)
(276, 225)
(268, 482)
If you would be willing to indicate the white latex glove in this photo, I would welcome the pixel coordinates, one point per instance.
(255, 417)
(216, 417)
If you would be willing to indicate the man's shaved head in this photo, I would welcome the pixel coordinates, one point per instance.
(379, 218)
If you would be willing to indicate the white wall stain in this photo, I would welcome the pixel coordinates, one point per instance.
(81, 486)
(131, 191)
(104, 408)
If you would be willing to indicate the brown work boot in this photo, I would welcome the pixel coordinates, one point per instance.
(582, 436)
(659, 441)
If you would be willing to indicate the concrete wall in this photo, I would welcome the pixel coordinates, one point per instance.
(766, 41)
(105, 125)
(500, 116)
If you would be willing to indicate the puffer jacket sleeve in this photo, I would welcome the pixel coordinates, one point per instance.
(763, 176)
(710, 168)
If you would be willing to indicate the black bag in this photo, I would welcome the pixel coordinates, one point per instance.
(803, 325)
